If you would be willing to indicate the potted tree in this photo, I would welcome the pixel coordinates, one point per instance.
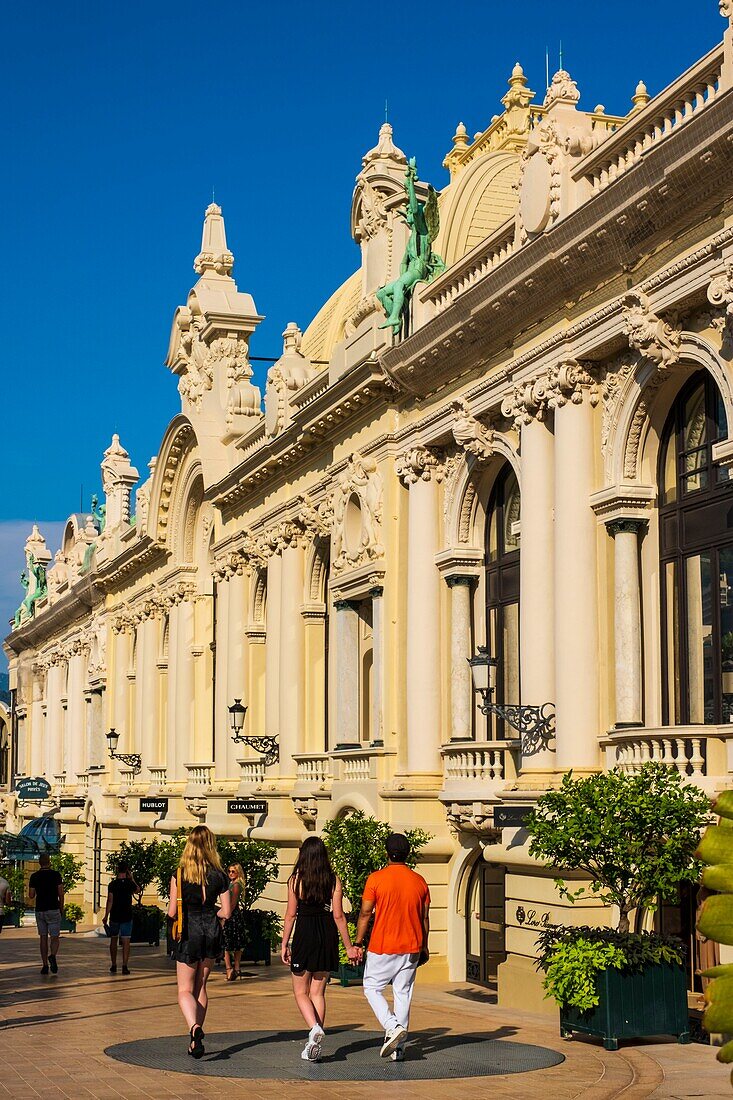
(72, 875)
(15, 877)
(356, 846)
(716, 920)
(141, 857)
(634, 836)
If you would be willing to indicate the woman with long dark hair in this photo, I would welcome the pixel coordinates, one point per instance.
(315, 907)
(203, 888)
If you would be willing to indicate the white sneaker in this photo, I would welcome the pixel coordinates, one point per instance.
(311, 1052)
(317, 1034)
(398, 1055)
(392, 1040)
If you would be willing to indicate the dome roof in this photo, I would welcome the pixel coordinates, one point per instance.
(327, 327)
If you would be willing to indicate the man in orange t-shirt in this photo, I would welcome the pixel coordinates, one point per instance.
(400, 901)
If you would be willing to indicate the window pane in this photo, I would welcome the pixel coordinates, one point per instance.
(699, 626)
(669, 468)
(511, 513)
(493, 539)
(673, 653)
(726, 630)
(511, 657)
(694, 430)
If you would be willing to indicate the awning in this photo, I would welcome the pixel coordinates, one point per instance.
(44, 832)
(18, 849)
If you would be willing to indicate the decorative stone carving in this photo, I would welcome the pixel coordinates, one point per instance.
(720, 290)
(526, 402)
(476, 818)
(570, 381)
(291, 372)
(118, 478)
(96, 640)
(726, 9)
(196, 805)
(562, 87)
(641, 417)
(307, 811)
(469, 433)
(656, 338)
(154, 606)
(418, 464)
(316, 520)
(357, 515)
(611, 395)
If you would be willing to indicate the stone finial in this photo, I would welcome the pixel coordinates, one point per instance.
(460, 138)
(214, 255)
(118, 478)
(519, 94)
(563, 89)
(35, 545)
(641, 96)
(385, 149)
(726, 9)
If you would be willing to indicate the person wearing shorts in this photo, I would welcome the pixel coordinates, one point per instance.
(46, 887)
(118, 915)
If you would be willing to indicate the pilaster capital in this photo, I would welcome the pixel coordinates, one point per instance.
(625, 526)
(720, 289)
(526, 402)
(418, 464)
(623, 504)
(654, 337)
(571, 381)
(469, 433)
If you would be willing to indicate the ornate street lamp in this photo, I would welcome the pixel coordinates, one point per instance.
(535, 724)
(263, 744)
(133, 760)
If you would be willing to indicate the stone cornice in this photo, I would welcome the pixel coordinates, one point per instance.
(602, 236)
(623, 503)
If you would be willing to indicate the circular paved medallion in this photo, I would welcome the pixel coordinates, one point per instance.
(348, 1055)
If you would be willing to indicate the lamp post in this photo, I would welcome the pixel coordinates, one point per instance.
(266, 746)
(535, 724)
(132, 759)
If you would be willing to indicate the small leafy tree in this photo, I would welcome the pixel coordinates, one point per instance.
(634, 835)
(70, 869)
(259, 863)
(167, 858)
(141, 857)
(15, 877)
(716, 919)
(356, 846)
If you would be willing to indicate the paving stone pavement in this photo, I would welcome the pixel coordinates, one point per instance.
(54, 1032)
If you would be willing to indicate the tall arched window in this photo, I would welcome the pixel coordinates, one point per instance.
(502, 590)
(696, 548)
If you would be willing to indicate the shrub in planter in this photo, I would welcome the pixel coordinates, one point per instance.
(716, 919)
(72, 915)
(70, 869)
(263, 929)
(15, 877)
(635, 837)
(141, 857)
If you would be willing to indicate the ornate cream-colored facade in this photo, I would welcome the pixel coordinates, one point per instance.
(332, 555)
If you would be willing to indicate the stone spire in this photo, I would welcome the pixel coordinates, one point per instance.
(214, 255)
(385, 152)
(641, 96)
(118, 478)
(460, 138)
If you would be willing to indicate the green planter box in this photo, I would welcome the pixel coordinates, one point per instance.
(68, 925)
(145, 927)
(651, 1002)
(257, 947)
(349, 975)
(13, 918)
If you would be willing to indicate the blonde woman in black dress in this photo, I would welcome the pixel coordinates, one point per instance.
(235, 931)
(206, 901)
(315, 907)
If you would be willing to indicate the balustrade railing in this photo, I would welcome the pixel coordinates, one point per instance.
(476, 761)
(59, 782)
(630, 752)
(662, 116)
(82, 781)
(314, 770)
(158, 776)
(471, 268)
(199, 775)
(253, 771)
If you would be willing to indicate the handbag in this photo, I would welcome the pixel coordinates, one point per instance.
(177, 929)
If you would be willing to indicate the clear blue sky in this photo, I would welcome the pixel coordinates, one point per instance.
(120, 118)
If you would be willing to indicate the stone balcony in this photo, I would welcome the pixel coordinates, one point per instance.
(701, 754)
(474, 772)
(199, 776)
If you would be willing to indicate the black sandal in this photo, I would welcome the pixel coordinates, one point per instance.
(196, 1049)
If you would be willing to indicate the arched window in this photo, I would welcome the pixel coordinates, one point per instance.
(696, 559)
(502, 591)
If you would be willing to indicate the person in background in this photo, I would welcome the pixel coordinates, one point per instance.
(46, 887)
(400, 901)
(235, 933)
(204, 886)
(118, 915)
(6, 898)
(315, 907)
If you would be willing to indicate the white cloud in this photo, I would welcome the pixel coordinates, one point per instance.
(13, 534)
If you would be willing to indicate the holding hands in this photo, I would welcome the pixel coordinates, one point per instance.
(355, 954)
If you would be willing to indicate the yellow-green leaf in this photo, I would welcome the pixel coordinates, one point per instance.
(720, 992)
(724, 804)
(716, 845)
(722, 970)
(716, 918)
(719, 878)
(725, 1054)
(718, 1018)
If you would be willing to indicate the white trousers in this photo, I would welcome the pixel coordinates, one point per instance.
(379, 971)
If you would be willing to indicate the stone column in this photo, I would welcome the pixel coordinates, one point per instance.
(627, 621)
(75, 746)
(231, 670)
(347, 675)
(273, 670)
(147, 690)
(292, 646)
(172, 688)
(36, 755)
(377, 716)
(461, 686)
(121, 665)
(576, 580)
(54, 723)
(185, 702)
(418, 468)
(314, 622)
(536, 569)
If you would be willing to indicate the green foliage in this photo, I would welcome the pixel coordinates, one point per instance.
(716, 919)
(571, 959)
(141, 856)
(257, 857)
(343, 957)
(70, 869)
(73, 912)
(263, 924)
(15, 877)
(259, 862)
(634, 835)
(356, 846)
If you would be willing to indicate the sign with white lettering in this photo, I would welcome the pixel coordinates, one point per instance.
(153, 806)
(511, 817)
(72, 803)
(32, 790)
(246, 806)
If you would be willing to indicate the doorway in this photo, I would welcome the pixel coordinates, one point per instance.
(485, 923)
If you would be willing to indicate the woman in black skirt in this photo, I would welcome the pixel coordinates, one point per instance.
(315, 906)
(204, 889)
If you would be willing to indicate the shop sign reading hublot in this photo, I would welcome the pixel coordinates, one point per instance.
(153, 805)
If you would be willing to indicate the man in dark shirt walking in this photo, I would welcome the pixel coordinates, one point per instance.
(118, 915)
(46, 887)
